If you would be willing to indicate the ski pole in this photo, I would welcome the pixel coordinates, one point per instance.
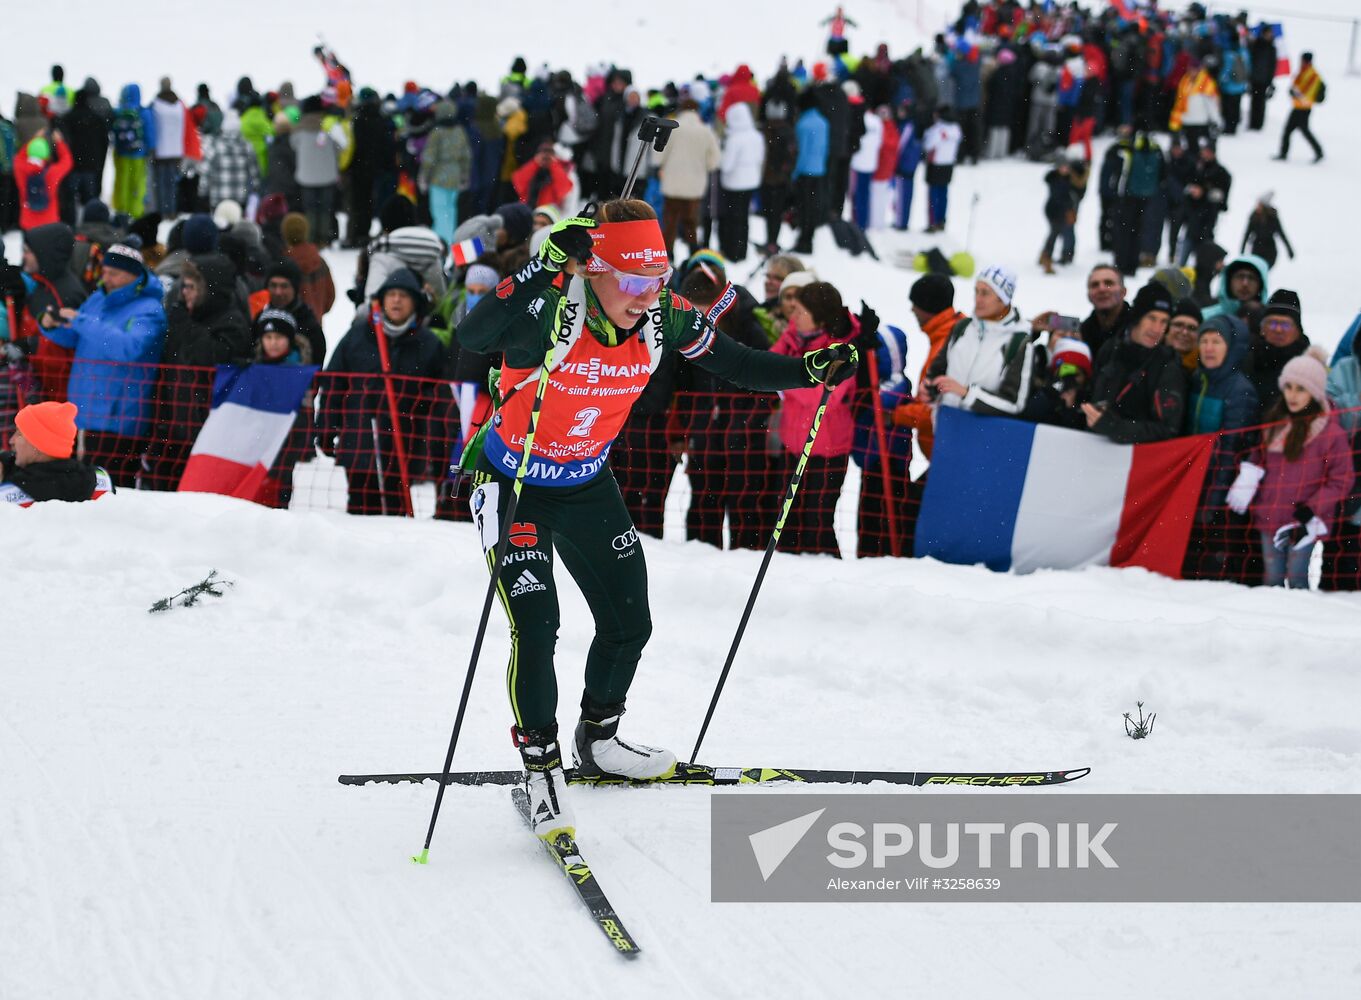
(885, 470)
(765, 560)
(398, 446)
(968, 237)
(378, 467)
(498, 551)
(652, 131)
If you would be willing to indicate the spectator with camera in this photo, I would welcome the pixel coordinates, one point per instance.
(1108, 319)
(117, 335)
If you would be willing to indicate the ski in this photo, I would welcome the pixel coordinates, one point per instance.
(702, 774)
(564, 851)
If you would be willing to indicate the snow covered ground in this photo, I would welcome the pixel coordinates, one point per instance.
(170, 824)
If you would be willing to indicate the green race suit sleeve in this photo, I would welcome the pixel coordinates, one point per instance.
(507, 320)
(689, 332)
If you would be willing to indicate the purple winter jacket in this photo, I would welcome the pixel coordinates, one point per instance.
(1321, 477)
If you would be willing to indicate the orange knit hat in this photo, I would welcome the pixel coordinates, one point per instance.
(49, 427)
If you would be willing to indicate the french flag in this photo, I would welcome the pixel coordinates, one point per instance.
(1282, 53)
(253, 410)
(466, 252)
(1020, 496)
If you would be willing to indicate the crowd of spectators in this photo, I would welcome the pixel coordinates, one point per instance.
(247, 194)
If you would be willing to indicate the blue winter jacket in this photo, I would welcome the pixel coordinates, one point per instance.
(967, 74)
(1344, 389)
(1344, 346)
(130, 99)
(1227, 305)
(865, 438)
(909, 150)
(1223, 399)
(127, 327)
(812, 134)
(1227, 84)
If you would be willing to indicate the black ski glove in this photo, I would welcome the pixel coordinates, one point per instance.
(831, 365)
(869, 326)
(570, 239)
(12, 285)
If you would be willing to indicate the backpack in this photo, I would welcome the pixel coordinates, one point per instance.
(36, 195)
(851, 238)
(1238, 72)
(128, 138)
(87, 258)
(1322, 92)
(1143, 173)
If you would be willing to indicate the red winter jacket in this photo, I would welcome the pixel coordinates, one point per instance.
(555, 192)
(888, 152)
(55, 170)
(799, 406)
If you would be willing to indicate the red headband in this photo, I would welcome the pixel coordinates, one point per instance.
(629, 246)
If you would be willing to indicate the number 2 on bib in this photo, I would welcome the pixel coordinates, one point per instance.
(585, 420)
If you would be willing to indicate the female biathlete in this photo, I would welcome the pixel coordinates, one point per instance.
(618, 321)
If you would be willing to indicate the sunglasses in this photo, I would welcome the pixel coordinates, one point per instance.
(637, 284)
(1278, 325)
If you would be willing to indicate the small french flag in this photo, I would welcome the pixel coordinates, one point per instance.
(466, 252)
(1282, 53)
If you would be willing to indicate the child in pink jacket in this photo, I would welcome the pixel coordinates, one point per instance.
(1301, 473)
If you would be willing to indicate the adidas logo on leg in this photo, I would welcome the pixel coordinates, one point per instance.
(526, 583)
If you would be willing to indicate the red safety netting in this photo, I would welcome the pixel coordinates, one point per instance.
(712, 467)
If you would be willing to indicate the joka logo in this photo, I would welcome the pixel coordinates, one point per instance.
(527, 583)
(627, 540)
(773, 844)
(524, 535)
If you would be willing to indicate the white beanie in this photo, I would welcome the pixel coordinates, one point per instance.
(227, 213)
(481, 274)
(1000, 280)
(797, 279)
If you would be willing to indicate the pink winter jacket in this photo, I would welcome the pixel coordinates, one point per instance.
(1321, 477)
(800, 405)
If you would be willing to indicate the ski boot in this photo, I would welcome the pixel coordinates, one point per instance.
(545, 783)
(598, 749)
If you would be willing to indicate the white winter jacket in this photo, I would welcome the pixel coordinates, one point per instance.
(688, 159)
(941, 143)
(866, 158)
(169, 128)
(995, 359)
(744, 151)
